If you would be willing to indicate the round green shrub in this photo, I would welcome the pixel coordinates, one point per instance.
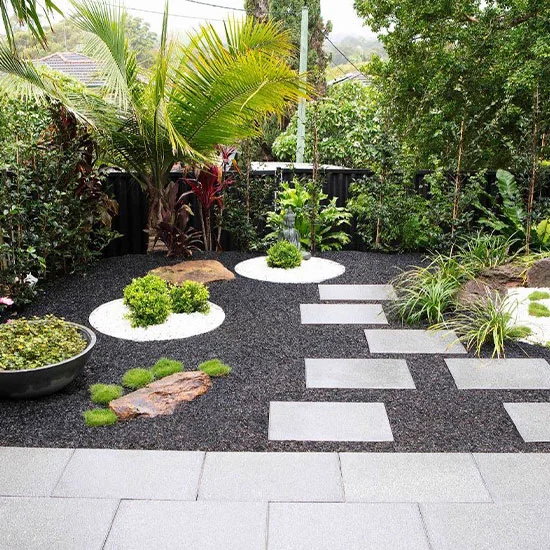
(165, 367)
(284, 255)
(538, 310)
(215, 367)
(137, 378)
(99, 417)
(103, 394)
(37, 342)
(190, 297)
(148, 299)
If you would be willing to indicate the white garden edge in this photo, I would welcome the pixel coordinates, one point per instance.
(314, 270)
(110, 319)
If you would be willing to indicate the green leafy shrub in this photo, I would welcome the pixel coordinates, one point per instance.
(539, 295)
(37, 342)
(148, 300)
(485, 250)
(215, 367)
(99, 417)
(103, 394)
(538, 310)
(284, 255)
(165, 367)
(137, 378)
(190, 297)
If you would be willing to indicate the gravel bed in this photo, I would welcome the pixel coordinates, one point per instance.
(263, 340)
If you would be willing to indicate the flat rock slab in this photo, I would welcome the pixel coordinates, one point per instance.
(500, 374)
(364, 293)
(358, 373)
(271, 477)
(201, 271)
(413, 341)
(342, 314)
(327, 421)
(336, 526)
(412, 477)
(163, 396)
(532, 420)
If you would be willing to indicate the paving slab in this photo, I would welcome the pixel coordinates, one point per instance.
(358, 373)
(110, 473)
(500, 374)
(413, 341)
(532, 420)
(345, 527)
(328, 421)
(169, 525)
(291, 477)
(487, 526)
(342, 314)
(516, 477)
(31, 471)
(54, 523)
(412, 477)
(364, 293)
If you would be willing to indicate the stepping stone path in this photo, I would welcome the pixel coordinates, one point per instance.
(413, 341)
(363, 293)
(532, 420)
(342, 314)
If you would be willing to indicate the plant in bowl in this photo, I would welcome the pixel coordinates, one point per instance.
(41, 355)
(284, 255)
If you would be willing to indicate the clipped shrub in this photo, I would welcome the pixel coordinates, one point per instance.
(37, 342)
(539, 295)
(137, 378)
(99, 417)
(165, 367)
(538, 310)
(215, 367)
(284, 255)
(190, 297)
(103, 394)
(148, 299)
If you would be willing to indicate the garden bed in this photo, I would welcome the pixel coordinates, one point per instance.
(264, 342)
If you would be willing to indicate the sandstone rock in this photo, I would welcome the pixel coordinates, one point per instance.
(476, 291)
(503, 276)
(162, 397)
(201, 271)
(539, 274)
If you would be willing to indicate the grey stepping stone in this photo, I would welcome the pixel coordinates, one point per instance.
(412, 341)
(516, 477)
(326, 421)
(365, 293)
(31, 471)
(358, 373)
(532, 420)
(412, 477)
(500, 374)
(54, 523)
(189, 525)
(345, 527)
(271, 477)
(110, 473)
(342, 314)
(487, 526)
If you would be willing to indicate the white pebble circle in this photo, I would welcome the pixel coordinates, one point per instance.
(110, 319)
(314, 270)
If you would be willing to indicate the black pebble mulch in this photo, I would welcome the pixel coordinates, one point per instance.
(263, 340)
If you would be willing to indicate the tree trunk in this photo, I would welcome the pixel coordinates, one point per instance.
(534, 169)
(456, 201)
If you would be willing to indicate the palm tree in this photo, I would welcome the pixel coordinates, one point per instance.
(214, 90)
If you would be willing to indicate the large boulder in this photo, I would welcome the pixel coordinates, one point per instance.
(201, 271)
(539, 274)
(475, 291)
(163, 396)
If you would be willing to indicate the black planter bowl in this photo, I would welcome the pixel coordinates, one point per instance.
(22, 384)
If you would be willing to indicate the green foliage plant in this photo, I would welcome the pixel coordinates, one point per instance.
(538, 310)
(94, 418)
(190, 297)
(103, 394)
(148, 301)
(38, 342)
(137, 378)
(165, 367)
(284, 255)
(215, 367)
(485, 250)
(539, 295)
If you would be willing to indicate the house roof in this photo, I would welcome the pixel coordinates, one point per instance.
(74, 64)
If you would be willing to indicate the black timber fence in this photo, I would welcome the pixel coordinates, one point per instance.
(131, 221)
